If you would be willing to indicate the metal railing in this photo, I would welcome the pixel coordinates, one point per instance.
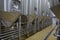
(9, 35)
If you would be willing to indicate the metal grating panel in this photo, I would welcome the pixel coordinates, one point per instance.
(9, 33)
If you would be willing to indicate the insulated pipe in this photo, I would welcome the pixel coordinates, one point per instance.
(39, 11)
(19, 27)
(30, 11)
(28, 2)
(47, 8)
(44, 7)
(25, 7)
(31, 6)
(9, 5)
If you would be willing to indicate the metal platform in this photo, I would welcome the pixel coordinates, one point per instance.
(52, 37)
(42, 34)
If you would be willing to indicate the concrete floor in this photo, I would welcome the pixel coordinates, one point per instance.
(42, 34)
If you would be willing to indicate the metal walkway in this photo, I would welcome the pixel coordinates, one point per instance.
(52, 37)
(42, 34)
